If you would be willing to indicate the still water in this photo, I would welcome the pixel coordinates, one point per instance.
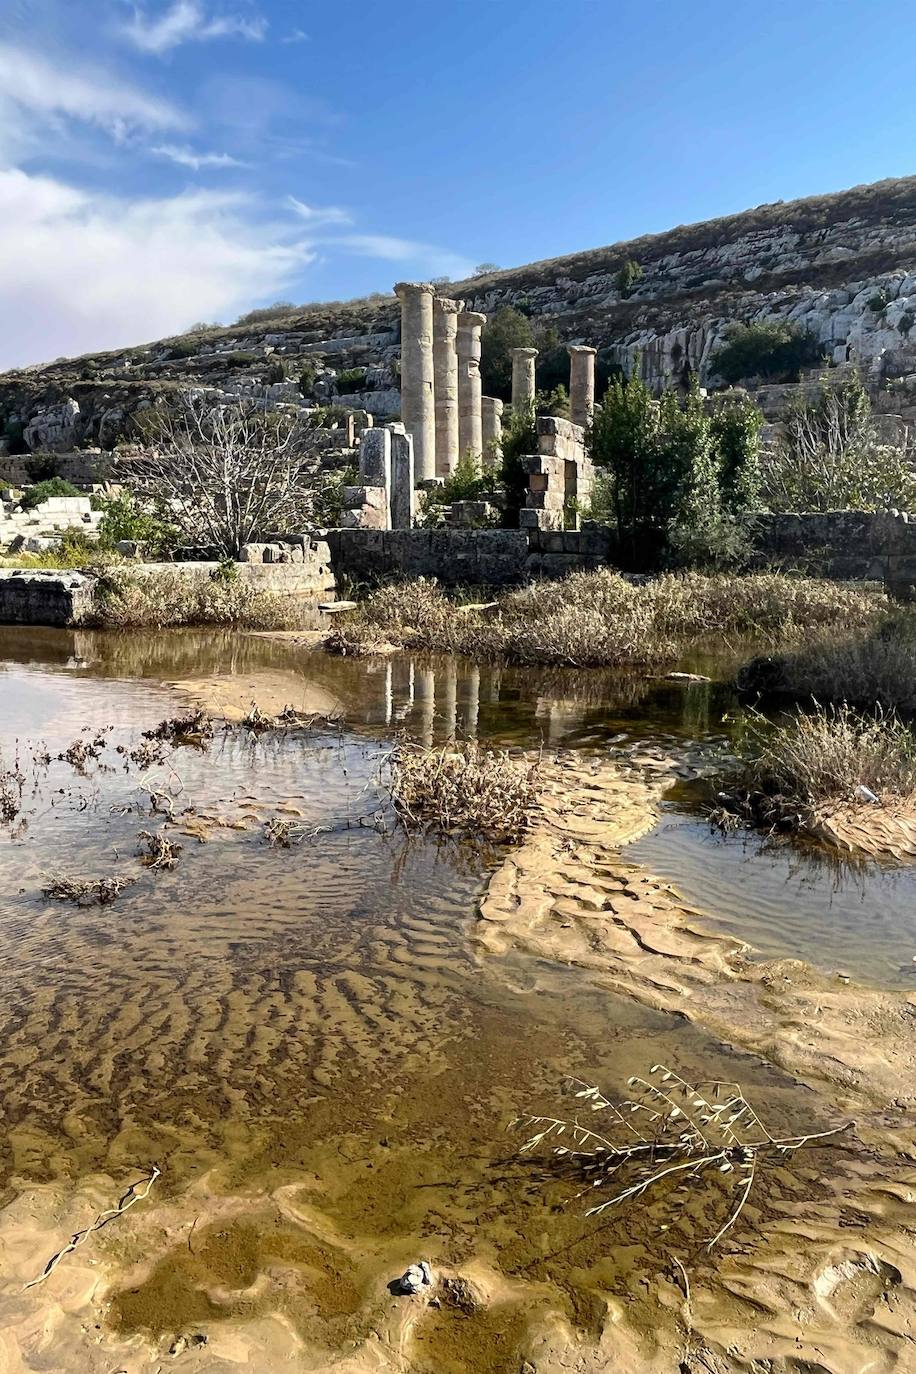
(319, 1012)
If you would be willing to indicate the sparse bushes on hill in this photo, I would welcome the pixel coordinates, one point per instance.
(278, 311)
(776, 351)
(627, 276)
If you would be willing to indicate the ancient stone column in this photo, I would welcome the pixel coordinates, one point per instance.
(470, 430)
(581, 383)
(522, 377)
(417, 378)
(492, 428)
(375, 464)
(403, 478)
(445, 368)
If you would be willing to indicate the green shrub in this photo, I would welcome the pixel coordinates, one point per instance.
(627, 277)
(777, 351)
(41, 491)
(308, 374)
(125, 518)
(906, 322)
(507, 328)
(351, 379)
(519, 438)
(278, 311)
(830, 457)
(879, 301)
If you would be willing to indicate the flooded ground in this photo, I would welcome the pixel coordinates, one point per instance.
(306, 1040)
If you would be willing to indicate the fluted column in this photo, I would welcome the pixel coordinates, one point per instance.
(523, 377)
(417, 376)
(445, 367)
(470, 426)
(581, 383)
(492, 427)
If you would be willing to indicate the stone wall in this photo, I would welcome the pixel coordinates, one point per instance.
(454, 556)
(44, 598)
(841, 544)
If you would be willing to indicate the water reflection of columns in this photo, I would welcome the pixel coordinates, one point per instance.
(449, 683)
(425, 704)
(389, 692)
(402, 688)
(469, 702)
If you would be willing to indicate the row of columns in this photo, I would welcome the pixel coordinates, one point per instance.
(441, 400)
(581, 380)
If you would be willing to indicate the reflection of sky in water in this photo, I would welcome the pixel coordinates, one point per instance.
(782, 900)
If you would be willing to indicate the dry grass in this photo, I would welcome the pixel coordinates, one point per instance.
(594, 619)
(87, 891)
(157, 600)
(462, 789)
(876, 669)
(792, 769)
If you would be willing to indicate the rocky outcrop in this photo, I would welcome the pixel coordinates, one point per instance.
(843, 267)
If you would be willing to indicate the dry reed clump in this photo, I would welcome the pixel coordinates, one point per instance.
(194, 730)
(790, 771)
(462, 789)
(157, 850)
(590, 619)
(87, 891)
(875, 669)
(669, 1132)
(157, 600)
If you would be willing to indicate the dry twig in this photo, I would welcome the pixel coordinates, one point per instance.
(668, 1131)
(79, 1238)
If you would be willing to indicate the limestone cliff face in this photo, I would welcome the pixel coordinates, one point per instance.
(842, 266)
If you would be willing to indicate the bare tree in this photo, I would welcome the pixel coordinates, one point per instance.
(226, 473)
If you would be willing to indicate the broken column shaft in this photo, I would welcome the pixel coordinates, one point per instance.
(523, 378)
(581, 383)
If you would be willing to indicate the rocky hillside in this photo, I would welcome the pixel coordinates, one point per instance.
(842, 266)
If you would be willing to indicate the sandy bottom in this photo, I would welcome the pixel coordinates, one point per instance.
(284, 1263)
(232, 695)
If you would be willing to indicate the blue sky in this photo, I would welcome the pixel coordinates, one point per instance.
(167, 161)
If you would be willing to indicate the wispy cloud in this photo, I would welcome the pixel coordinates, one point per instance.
(389, 248)
(319, 216)
(187, 21)
(31, 85)
(297, 36)
(136, 269)
(187, 157)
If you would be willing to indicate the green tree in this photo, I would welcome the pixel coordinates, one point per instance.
(506, 329)
(775, 350)
(627, 276)
(736, 434)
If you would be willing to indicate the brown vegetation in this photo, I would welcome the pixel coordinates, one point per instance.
(600, 618)
(463, 789)
(157, 600)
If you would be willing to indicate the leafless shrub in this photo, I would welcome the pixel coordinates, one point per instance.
(668, 1133)
(226, 472)
(87, 891)
(84, 750)
(462, 789)
(157, 850)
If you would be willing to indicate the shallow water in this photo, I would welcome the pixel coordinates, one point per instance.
(318, 1014)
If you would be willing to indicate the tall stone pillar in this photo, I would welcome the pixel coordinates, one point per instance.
(417, 378)
(581, 383)
(445, 368)
(470, 428)
(522, 377)
(492, 428)
(403, 498)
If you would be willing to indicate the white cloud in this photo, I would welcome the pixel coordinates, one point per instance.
(436, 261)
(186, 157)
(32, 88)
(317, 216)
(186, 21)
(297, 36)
(79, 271)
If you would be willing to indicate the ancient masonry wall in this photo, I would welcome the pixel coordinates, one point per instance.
(44, 598)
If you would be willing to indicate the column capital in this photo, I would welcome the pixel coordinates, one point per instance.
(445, 306)
(523, 352)
(403, 289)
(471, 319)
(580, 350)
